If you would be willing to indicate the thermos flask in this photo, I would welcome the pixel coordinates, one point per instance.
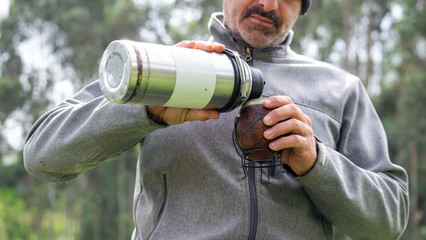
(153, 74)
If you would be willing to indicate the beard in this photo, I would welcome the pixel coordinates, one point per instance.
(258, 38)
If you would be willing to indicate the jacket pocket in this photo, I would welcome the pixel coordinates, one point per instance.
(161, 210)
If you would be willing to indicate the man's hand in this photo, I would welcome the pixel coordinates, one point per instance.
(299, 147)
(202, 45)
(171, 116)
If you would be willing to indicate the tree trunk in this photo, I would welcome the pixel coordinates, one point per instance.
(51, 195)
(122, 198)
(347, 31)
(415, 212)
(368, 44)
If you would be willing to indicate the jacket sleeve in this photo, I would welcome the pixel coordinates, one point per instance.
(355, 185)
(82, 132)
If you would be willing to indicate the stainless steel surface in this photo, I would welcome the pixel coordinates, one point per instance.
(152, 74)
(252, 102)
(246, 78)
(225, 82)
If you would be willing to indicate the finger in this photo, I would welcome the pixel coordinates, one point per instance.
(186, 44)
(172, 116)
(293, 141)
(202, 45)
(291, 126)
(274, 103)
(205, 46)
(201, 115)
(293, 134)
(210, 46)
(284, 113)
(218, 47)
(277, 101)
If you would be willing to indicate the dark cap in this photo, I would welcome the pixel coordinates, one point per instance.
(306, 4)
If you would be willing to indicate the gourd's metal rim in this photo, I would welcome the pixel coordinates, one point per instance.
(252, 102)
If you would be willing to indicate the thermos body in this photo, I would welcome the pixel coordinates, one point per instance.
(153, 74)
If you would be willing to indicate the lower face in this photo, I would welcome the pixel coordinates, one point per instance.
(261, 31)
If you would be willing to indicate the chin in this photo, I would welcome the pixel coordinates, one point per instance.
(258, 42)
(259, 39)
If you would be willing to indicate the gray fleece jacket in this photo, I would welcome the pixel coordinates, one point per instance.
(190, 182)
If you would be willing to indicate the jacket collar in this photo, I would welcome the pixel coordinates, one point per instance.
(223, 35)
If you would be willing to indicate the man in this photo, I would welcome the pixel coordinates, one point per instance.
(189, 180)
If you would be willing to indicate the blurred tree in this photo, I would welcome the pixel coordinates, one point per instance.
(344, 33)
(402, 102)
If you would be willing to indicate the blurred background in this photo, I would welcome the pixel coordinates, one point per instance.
(49, 49)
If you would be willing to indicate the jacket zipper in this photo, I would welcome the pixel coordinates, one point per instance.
(248, 54)
(251, 173)
(253, 201)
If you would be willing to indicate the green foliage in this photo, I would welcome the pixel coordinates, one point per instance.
(19, 219)
(13, 225)
(80, 30)
(10, 90)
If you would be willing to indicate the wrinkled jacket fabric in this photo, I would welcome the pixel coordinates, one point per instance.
(190, 182)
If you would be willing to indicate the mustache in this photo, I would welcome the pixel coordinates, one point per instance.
(272, 15)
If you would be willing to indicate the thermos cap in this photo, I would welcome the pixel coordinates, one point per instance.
(115, 67)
